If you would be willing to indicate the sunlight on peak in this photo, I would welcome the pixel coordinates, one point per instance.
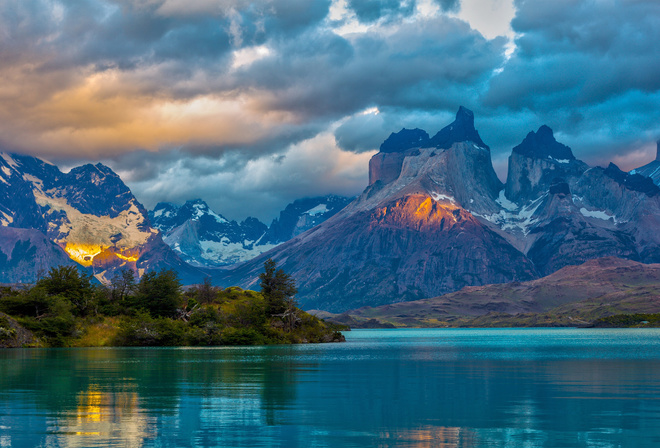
(83, 253)
(127, 258)
(249, 55)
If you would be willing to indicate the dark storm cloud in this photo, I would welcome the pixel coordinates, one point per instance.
(372, 10)
(427, 64)
(592, 68)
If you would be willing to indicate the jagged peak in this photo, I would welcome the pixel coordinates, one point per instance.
(89, 168)
(461, 130)
(166, 205)
(635, 182)
(466, 115)
(543, 145)
(196, 203)
(405, 139)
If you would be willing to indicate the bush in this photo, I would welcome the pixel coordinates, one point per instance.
(145, 331)
(159, 293)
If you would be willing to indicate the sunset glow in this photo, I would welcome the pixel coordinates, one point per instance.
(161, 90)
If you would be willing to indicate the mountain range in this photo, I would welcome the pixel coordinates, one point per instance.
(86, 217)
(435, 218)
(90, 219)
(574, 295)
(204, 238)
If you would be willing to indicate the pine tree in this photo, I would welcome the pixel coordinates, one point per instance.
(278, 288)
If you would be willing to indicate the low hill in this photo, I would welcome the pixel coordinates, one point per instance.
(574, 295)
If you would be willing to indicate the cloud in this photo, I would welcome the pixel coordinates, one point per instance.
(591, 68)
(368, 11)
(247, 97)
(238, 188)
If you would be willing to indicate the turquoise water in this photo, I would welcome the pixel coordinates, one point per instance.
(382, 388)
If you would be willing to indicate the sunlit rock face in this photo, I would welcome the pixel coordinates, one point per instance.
(436, 218)
(414, 232)
(88, 212)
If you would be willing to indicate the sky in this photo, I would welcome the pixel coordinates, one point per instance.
(249, 105)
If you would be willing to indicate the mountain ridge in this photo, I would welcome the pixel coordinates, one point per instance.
(551, 212)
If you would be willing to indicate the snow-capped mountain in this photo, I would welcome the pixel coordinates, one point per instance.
(89, 213)
(204, 238)
(435, 218)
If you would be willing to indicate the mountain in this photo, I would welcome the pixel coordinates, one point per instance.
(574, 295)
(435, 218)
(88, 213)
(303, 214)
(204, 238)
(26, 254)
(408, 236)
(652, 169)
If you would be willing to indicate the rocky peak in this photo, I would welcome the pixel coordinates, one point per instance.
(635, 182)
(536, 162)
(97, 190)
(542, 145)
(461, 130)
(405, 139)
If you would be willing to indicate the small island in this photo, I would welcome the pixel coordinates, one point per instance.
(66, 308)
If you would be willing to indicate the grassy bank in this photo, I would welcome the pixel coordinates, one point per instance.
(65, 309)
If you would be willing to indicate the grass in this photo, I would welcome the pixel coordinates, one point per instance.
(98, 334)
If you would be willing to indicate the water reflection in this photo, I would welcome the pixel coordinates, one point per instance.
(99, 417)
(421, 389)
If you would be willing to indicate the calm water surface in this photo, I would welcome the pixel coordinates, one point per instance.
(383, 388)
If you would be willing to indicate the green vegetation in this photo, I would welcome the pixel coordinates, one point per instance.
(66, 309)
(629, 321)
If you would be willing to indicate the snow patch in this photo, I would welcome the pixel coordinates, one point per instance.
(505, 203)
(318, 210)
(6, 219)
(559, 160)
(510, 218)
(442, 197)
(157, 213)
(11, 162)
(599, 214)
(202, 209)
(227, 252)
(35, 180)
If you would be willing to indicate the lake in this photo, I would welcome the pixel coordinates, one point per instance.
(382, 388)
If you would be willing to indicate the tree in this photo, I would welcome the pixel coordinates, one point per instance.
(206, 292)
(279, 290)
(123, 283)
(159, 293)
(68, 282)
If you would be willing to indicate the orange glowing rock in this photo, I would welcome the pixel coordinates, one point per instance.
(83, 253)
